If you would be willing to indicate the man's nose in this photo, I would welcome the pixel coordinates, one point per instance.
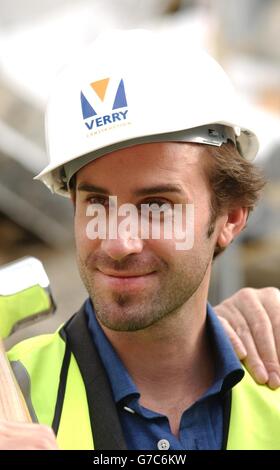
(122, 246)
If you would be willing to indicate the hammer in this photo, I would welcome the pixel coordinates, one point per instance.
(25, 297)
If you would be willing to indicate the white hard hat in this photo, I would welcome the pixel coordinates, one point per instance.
(133, 87)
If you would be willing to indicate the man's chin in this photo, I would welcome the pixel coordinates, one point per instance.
(124, 320)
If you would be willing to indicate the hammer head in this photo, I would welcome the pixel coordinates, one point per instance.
(25, 294)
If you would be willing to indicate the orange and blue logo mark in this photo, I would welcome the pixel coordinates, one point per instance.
(98, 101)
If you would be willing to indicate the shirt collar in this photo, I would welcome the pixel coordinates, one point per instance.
(229, 370)
(228, 367)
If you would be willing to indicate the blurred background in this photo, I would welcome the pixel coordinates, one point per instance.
(37, 38)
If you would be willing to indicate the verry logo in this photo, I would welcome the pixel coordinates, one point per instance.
(100, 102)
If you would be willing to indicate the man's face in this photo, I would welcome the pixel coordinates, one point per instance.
(134, 283)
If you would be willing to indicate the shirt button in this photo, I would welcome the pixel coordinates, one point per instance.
(163, 444)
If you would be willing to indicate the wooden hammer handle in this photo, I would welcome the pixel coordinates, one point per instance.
(12, 404)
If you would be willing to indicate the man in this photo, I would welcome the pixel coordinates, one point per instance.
(145, 364)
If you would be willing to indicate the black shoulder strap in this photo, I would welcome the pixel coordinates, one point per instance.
(106, 428)
(226, 417)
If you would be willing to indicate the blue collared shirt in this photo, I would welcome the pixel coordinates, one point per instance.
(201, 426)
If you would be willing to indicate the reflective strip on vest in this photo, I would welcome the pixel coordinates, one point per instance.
(42, 358)
(25, 384)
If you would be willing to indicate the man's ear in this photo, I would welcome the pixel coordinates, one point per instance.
(235, 221)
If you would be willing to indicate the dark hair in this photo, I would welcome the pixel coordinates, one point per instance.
(233, 182)
(72, 183)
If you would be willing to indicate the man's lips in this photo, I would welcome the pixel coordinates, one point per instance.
(124, 274)
(125, 281)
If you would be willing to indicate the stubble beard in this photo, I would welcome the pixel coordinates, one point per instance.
(127, 312)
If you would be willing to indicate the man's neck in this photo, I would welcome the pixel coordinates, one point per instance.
(170, 362)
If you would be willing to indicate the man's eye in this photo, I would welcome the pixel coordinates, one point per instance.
(157, 204)
(98, 200)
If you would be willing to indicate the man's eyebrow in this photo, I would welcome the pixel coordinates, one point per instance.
(161, 188)
(157, 189)
(92, 188)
